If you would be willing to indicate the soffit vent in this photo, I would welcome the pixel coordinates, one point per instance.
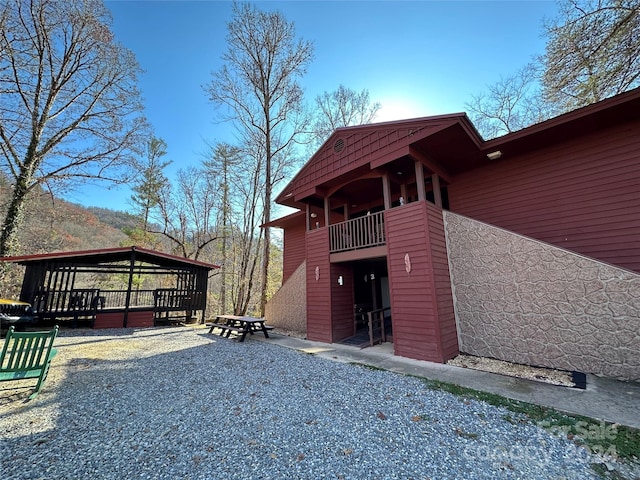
(338, 146)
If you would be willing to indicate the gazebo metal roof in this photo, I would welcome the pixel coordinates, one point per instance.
(110, 255)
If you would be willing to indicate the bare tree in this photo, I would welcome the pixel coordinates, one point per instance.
(511, 104)
(258, 83)
(593, 51)
(187, 212)
(240, 214)
(341, 108)
(69, 106)
(247, 235)
(223, 159)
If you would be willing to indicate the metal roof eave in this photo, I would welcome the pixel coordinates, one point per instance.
(110, 254)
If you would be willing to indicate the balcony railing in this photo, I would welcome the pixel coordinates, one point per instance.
(361, 232)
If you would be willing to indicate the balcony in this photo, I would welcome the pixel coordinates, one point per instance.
(358, 233)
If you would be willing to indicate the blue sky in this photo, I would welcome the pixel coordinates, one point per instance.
(417, 58)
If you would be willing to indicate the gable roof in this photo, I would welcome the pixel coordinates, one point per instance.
(365, 147)
(109, 255)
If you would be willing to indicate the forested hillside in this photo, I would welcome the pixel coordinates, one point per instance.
(52, 224)
(114, 218)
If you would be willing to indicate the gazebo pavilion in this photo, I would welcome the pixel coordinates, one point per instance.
(76, 286)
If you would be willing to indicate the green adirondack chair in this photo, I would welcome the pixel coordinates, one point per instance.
(27, 355)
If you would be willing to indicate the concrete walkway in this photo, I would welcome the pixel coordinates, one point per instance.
(604, 399)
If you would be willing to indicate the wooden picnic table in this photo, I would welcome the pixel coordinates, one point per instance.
(240, 325)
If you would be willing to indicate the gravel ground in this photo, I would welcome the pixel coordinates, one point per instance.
(177, 403)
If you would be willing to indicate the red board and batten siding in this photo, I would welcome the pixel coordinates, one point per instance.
(343, 324)
(109, 320)
(420, 296)
(582, 195)
(318, 291)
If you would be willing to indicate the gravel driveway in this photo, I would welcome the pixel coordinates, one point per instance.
(177, 403)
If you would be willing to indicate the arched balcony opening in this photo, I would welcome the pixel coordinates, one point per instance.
(353, 209)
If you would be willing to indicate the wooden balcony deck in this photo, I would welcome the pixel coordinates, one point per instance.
(358, 233)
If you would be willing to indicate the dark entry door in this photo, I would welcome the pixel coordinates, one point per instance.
(371, 290)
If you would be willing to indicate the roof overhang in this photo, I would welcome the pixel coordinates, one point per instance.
(110, 255)
(581, 122)
(446, 145)
(287, 221)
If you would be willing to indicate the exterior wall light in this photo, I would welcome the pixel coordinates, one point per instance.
(494, 155)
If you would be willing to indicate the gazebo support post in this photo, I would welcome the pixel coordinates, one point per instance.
(132, 262)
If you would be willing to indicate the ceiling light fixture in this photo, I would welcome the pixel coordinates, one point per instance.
(494, 155)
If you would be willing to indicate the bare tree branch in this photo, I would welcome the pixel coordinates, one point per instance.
(593, 51)
(69, 106)
(511, 104)
(342, 108)
(258, 84)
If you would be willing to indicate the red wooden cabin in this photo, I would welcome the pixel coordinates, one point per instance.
(369, 220)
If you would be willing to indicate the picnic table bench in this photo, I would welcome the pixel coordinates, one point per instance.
(27, 355)
(240, 325)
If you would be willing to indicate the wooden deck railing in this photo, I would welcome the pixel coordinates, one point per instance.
(361, 232)
(377, 333)
(90, 300)
(118, 298)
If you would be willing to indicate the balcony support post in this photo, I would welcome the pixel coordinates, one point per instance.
(422, 194)
(437, 196)
(403, 192)
(386, 190)
(327, 210)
